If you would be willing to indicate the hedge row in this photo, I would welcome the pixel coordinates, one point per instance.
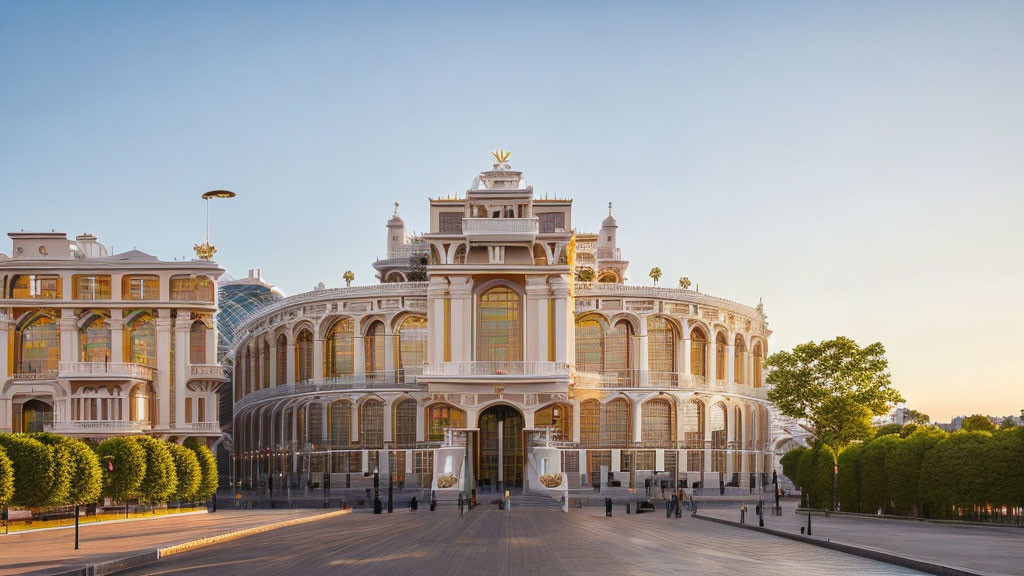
(918, 471)
(44, 469)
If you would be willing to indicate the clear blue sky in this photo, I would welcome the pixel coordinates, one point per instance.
(859, 165)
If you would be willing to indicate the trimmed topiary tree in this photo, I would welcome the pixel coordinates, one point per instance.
(85, 478)
(208, 465)
(791, 464)
(824, 472)
(33, 470)
(123, 465)
(187, 470)
(6, 479)
(849, 479)
(161, 479)
(805, 476)
(903, 468)
(954, 474)
(874, 485)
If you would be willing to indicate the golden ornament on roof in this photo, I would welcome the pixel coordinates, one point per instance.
(501, 155)
(205, 251)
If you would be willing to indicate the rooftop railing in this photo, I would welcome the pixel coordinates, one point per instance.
(105, 370)
(500, 226)
(496, 368)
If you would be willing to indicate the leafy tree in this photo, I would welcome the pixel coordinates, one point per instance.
(34, 476)
(887, 429)
(6, 478)
(1008, 422)
(849, 480)
(208, 464)
(836, 385)
(977, 423)
(791, 464)
(954, 473)
(916, 417)
(1006, 461)
(903, 468)
(187, 470)
(123, 464)
(874, 484)
(824, 473)
(161, 479)
(909, 428)
(418, 269)
(655, 274)
(805, 476)
(81, 463)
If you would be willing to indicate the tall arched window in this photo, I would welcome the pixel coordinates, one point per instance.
(758, 364)
(661, 350)
(739, 365)
(282, 359)
(720, 349)
(197, 343)
(142, 340)
(590, 343)
(719, 437)
(38, 348)
(304, 356)
(499, 326)
(441, 416)
(558, 416)
(371, 423)
(94, 339)
(405, 422)
(265, 362)
(411, 344)
(339, 354)
(615, 423)
(698, 352)
(340, 424)
(658, 425)
(590, 422)
(375, 351)
(617, 349)
(140, 403)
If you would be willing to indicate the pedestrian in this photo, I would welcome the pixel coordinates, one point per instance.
(462, 509)
(675, 504)
(508, 501)
(413, 504)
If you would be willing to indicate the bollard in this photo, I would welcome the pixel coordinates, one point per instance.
(627, 507)
(608, 507)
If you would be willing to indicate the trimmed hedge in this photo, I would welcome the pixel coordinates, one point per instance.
(187, 472)
(208, 465)
(34, 476)
(6, 478)
(123, 464)
(161, 479)
(83, 468)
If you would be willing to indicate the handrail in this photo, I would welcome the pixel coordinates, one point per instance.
(385, 380)
(125, 369)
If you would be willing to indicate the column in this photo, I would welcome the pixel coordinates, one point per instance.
(263, 364)
(389, 346)
(290, 376)
(642, 364)
(358, 349)
(117, 336)
(421, 424)
(563, 317)
(436, 293)
(637, 421)
(730, 363)
(536, 335)
(576, 426)
(461, 290)
(182, 326)
(389, 432)
(68, 325)
(211, 343)
(318, 360)
(273, 365)
(5, 348)
(163, 372)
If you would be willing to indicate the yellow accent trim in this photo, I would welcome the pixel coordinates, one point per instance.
(501, 155)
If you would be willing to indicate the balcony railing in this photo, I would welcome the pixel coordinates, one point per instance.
(212, 371)
(471, 369)
(501, 228)
(71, 426)
(205, 426)
(105, 370)
(674, 380)
(39, 375)
(405, 379)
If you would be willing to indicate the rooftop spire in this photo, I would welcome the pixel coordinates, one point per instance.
(396, 210)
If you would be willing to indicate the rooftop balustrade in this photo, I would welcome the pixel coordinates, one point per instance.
(106, 370)
(478, 369)
(500, 229)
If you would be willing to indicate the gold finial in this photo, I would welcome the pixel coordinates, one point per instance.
(501, 155)
(205, 251)
(396, 210)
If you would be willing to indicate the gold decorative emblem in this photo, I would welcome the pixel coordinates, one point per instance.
(205, 251)
(501, 155)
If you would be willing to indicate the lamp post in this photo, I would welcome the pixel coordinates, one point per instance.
(205, 251)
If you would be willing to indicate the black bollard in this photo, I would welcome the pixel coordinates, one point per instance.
(627, 507)
(608, 507)
(808, 522)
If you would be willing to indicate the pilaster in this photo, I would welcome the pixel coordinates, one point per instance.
(163, 372)
(182, 326)
(536, 319)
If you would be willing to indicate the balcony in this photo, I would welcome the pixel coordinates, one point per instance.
(206, 372)
(500, 229)
(525, 370)
(99, 426)
(105, 371)
(204, 426)
(619, 379)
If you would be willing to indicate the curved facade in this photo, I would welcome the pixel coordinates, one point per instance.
(523, 360)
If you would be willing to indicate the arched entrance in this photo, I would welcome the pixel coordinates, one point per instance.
(500, 450)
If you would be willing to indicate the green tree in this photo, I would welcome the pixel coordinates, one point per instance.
(791, 464)
(123, 463)
(161, 479)
(187, 470)
(6, 479)
(836, 385)
(83, 468)
(655, 274)
(916, 417)
(954, 474)
(34, 475)
(208, 464)
(824, 477)
(805, 476)
(874, 484)
(849, 480)
(1008, 422)
(977, 423)
(887, 429)
(909, 428)
(1006, 461)
(903, 468)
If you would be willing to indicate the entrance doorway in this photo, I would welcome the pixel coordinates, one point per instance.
(501, 442)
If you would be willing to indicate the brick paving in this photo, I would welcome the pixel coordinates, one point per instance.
(49, 551)
(522, 541)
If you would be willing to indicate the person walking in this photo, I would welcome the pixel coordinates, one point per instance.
(675, 504)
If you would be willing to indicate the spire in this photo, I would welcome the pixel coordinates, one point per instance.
(609, 208)
(396, 210)
(609, 222)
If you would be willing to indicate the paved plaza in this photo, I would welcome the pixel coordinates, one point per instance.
(512, 543)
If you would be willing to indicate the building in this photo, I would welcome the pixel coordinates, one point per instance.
(523, 360)
(96, 345)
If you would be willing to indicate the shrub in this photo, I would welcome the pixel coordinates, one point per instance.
(849, 479)
(34, 476)
(824, 470)
(161, 480)
(903, 468)
(791, 464)
(208, 465)
(1006, 461)
(874, 486)
(81, 464)
(123, 465)
(955, 473)
(6, 478)
(187, 470)
(805, 476)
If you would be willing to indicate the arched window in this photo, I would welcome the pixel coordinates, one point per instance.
(590, 422)
(140, 401)
(590, 343)
(739, 366)
(661, 350)
(720, 349)
(94, 339)
(693, 424)
(282, 359)
(340, 424)
(304, 356)
(375, 351)
(411, 344)
(658, 425)
(758, 364)
(617, 350)
(35, 416)
(499, 326)
(615, 423)
(558, 416)
(405, 422)
(190, 288)
(265, 362)
(698, 352)
(441, 416)
(142, 340)
(371, 423)
(339, 354)
(719, 437)
(38, 348)
(197, 343)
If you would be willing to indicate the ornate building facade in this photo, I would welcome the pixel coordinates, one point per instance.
(522, 360)
(97, 345)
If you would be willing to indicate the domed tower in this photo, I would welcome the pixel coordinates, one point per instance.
(606, 240)
(396, 233)
(610, 265)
